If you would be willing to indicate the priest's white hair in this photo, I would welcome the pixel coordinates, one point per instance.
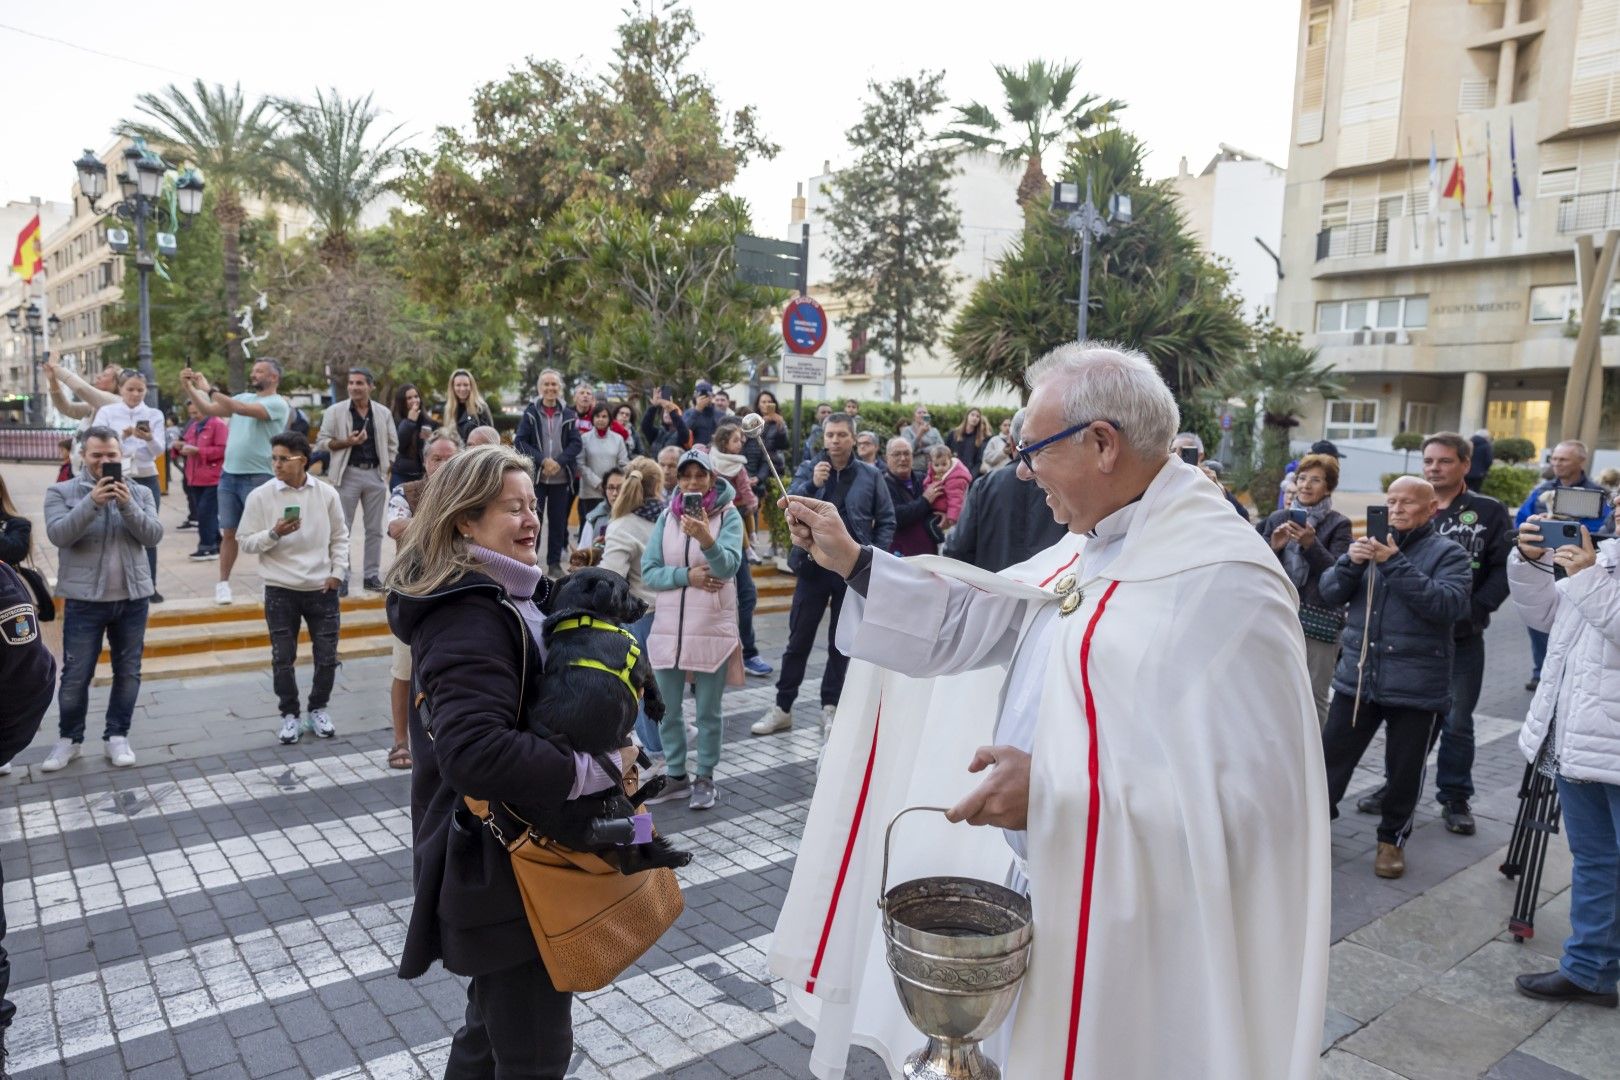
(1101, 381)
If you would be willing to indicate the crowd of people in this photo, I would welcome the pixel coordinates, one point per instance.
(1390, 616)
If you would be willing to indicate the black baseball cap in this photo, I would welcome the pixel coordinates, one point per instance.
(1323, 446)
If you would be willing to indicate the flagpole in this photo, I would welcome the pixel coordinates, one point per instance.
(1434, 193)
(1490, 191)
(1513, 165)
(1462, 190)
(1414, 232)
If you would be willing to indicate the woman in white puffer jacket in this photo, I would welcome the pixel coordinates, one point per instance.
(1572, 733)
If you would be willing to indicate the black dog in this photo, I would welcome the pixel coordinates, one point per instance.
(596, 676)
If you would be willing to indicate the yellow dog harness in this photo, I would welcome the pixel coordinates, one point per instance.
(589, 622)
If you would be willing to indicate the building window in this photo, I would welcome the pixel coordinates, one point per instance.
(1419, 416)
(1351, 419)
(1382, 313)
(1561, 303)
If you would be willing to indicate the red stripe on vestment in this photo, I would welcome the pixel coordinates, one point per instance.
(849, 853)
(1059, 570)
(1092, 769)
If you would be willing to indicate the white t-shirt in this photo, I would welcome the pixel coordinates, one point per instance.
(140, 455)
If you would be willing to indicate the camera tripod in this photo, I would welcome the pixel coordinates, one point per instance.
(1527, 851)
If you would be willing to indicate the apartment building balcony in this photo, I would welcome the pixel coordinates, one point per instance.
(1590, 211)
(1436, 239)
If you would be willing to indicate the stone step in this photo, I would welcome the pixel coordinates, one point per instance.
(228, 661)
(203, 610)
(248, 630)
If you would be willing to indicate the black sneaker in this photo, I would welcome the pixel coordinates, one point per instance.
(1458, 818)
(203, 555)
(1371, 803)
(186, 525)
(1553, 986)
(373, 584)
(155, 598)
(1532, 684)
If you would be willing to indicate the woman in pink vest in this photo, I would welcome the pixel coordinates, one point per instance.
(691, 561)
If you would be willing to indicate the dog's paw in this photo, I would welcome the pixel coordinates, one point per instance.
(655, 710)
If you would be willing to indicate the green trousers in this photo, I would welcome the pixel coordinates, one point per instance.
(672, 729)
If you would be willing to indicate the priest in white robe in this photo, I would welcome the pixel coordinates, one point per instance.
(1130, 712)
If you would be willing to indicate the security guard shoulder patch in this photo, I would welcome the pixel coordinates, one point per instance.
(19, 625)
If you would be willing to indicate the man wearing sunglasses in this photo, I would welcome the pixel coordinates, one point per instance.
(1136, 717)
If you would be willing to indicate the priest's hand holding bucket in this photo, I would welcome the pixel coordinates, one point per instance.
(1003, 799)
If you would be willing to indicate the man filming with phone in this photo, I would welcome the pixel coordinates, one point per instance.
(1406, 586)
(296, 526)
(101, 525)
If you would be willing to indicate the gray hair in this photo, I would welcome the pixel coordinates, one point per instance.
(483, 435)
(1189, 438)
(275, 365)
(443, 434)
(869, 435)
(1109, 382)
(1579, 446)
(550, 371)
(99, 431)
(1016, 431)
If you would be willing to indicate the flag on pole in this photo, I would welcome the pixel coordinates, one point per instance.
(1434, 186)
(1513, 162)
(28, 259)
(1490, 192)
(1455, 183)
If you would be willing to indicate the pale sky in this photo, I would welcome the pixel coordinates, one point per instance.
(1194, 73)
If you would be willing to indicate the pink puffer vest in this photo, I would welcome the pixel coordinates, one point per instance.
(693, 629)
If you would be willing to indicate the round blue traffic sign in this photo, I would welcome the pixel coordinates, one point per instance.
(804, 326)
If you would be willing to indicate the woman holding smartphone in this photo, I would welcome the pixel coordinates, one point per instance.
(140, 430)
(1308, 537)
(691, 560)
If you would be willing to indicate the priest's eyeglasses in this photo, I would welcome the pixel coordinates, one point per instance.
(1024, 454)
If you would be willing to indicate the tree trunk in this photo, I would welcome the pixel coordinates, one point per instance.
(228, 211)
(1033, 185)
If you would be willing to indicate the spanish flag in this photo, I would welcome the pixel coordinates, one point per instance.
(1455, 185)
(28, 259)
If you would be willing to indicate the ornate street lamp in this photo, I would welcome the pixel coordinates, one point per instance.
(141, 185)
(1086, 220)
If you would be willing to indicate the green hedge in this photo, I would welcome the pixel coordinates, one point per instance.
(885, 418)
(1511, 484)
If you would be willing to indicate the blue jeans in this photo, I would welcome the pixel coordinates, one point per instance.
(1538, 651)
(645, 728)
(83, 624)
(206, 515)
(1454, 773)
(150, 483)
(1592, 826)
(747, 599)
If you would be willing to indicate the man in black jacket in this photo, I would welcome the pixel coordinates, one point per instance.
(28, 672)
(548, 434)
(862, 498)
(1406, 594)
(1005, 519)
(703, 417)
(1484, 529)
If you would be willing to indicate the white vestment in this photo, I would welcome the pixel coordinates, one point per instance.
(1178, 848)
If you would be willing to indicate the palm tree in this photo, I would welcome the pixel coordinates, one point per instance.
(233, 142)
(1274, 380)
(333, 166)
(1036, 112)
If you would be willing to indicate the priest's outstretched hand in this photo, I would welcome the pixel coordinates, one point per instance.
(816, 527)
(1003, 799)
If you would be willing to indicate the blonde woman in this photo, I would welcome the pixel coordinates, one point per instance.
(464, 407)
(639, 502)
(466, 594)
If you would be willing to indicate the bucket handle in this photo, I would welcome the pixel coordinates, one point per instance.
(888, 835)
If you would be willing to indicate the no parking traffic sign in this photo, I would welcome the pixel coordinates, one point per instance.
(804, 326)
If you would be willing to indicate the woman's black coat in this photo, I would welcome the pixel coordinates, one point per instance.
(476, 662)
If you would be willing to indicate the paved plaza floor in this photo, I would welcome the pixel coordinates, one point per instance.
(235, 908)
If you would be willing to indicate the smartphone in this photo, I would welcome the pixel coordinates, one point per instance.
(1579, 503)
(692, 503)
(1297, 516)
(143, 425)
(1378, 523)
(1189, 454)
(1557, 534)
(291, 513)
(113, 470)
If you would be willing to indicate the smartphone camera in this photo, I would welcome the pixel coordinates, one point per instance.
(112, 470)
(1378, 523)
(1557, 534)
(692, 503)
(1297, 516)
(1189, 454)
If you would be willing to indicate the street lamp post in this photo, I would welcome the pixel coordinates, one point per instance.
(141, 185)
(1086, 220)
(30, 322)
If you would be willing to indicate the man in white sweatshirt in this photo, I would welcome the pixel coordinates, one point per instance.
(295, 524)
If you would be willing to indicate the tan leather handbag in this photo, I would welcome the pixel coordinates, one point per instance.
(590, 921)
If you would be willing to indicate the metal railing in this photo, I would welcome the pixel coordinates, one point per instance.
(1589, 211)
(1358, 238)
(31, 443)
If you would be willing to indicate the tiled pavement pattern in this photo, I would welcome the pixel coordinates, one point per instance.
(238, 915)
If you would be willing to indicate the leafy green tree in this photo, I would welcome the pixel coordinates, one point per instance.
(655, 295)
(233, 142)
(1039, 109)
(1152, 288)
(335, 166)
(1275, 379)
(187, 296)
(893, 226)
(648, 129)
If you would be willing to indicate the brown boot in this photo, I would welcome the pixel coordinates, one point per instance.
(1390, 862)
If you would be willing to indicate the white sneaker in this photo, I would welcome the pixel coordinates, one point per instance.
(320, 722)
(222, 593)
(63, 752)
(774, 720)
(291, 729)
(118, 752)
(5, 770)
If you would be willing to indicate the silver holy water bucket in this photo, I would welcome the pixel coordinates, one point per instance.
(958, 949)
